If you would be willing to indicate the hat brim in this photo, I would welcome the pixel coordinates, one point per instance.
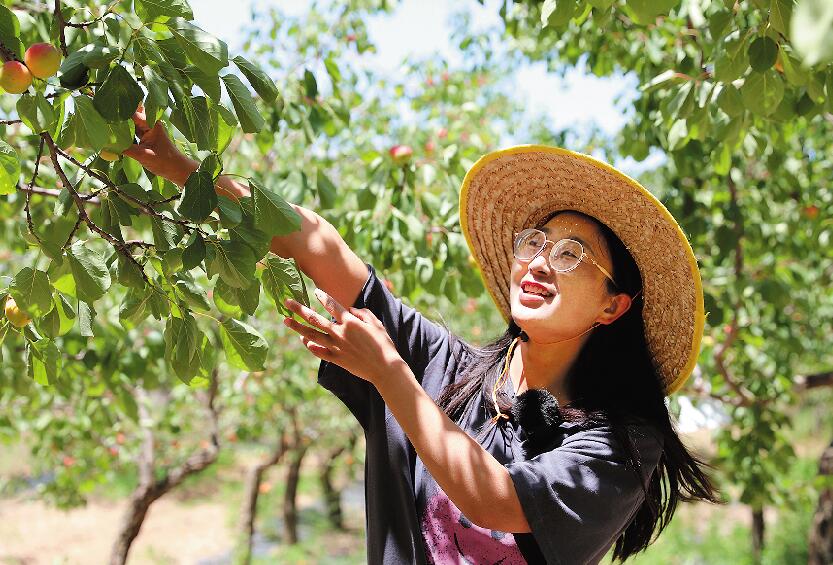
(508, 190)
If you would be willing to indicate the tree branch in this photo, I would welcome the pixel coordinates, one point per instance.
(82, 212)
(817, 380)
(747, 397)
(204, 457)
(59, 19)
(54, 193)
(10, 122)
(29, 222)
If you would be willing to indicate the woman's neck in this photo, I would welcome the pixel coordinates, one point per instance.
(544, 366)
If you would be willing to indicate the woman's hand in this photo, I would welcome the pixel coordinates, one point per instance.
(357, 341)
(157, 153)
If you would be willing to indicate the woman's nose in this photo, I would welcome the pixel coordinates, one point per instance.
(541, 262)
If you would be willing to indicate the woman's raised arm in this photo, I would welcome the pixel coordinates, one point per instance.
(318, 248)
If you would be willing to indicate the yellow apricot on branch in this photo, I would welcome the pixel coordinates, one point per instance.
(17, 317)
(15, 78)
(43, 60)
(109, 155)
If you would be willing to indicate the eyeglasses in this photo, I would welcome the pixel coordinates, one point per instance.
(565, 256)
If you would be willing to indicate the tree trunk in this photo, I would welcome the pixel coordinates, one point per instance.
(248, 513)
(140, 502)
(150, 488)
(820, 545)
(332, 496)
(757, 534)
(290, 510)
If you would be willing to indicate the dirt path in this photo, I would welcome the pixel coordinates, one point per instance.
(33, 533)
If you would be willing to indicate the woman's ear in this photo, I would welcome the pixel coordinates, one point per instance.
(619, 304)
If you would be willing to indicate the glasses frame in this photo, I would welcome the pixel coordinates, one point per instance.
(555, 245)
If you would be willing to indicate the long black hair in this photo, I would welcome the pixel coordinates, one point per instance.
(612, 382)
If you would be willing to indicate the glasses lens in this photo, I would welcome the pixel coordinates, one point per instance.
(528, 243)
(566, 255)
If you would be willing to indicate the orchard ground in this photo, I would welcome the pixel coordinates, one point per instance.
(197, 525)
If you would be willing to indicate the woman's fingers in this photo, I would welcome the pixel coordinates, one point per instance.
(311, 316)
(308, 333)
(331, 305)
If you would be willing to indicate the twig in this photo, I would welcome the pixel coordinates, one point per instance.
(72, 233)
(53, 192)
(29, 222)
(59, 19)
(733, 326)
(10, 122)
(7, 54)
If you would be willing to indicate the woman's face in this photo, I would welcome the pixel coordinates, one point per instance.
(576, 298)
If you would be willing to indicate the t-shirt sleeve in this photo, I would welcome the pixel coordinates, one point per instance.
(416, 338)
(580, 496)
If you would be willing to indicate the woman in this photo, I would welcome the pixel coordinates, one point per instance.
(573, 439)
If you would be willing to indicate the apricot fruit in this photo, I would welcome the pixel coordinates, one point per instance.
(15, 78)
(43, 60)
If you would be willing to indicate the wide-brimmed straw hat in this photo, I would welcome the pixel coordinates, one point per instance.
(512, 189)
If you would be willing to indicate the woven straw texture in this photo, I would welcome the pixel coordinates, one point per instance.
(509, 190)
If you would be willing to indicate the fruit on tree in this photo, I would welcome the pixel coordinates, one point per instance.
(17, 317)
(430, 146)
(401, 153)
(43, 60)
(109, 155)
(811, 211)
(15, 78)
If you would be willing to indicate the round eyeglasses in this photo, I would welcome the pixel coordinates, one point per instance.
(566, 254)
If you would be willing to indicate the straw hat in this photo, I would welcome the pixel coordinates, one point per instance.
(516, 188)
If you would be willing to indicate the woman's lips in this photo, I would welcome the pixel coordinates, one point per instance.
(530, 299)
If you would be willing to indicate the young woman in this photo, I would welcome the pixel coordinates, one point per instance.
(551, 444)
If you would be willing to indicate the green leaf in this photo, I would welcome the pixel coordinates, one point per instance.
(234, 261)
(43, 361)
(182, 340)
(763, 52)
(558, 13)
(135, 307)
(231, 214)
(811, 27)
(32, 291)
(36, 112)
(244, 105)
(92, 278)
(117, 99)
(282, 279)
(762, 92)
(646, 11)
(149, 10)
(780, 14)
(206, 51)
(209, 83)
(74, 72)
(9, 169)
(198, 197)
(272, 213)
(260, 81)
(729, 101)
(326, 190)
(731, 60)
(165, 234)
(86, 315)
(245, 348)
(194, 252)
(601, 5)
(10, 31)
(310, 84)
(129, 273)
(88, 128)
(193, 295)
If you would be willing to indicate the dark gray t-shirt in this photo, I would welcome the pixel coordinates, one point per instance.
(578, 497)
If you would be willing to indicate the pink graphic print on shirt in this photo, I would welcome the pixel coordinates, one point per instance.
(451, 538)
